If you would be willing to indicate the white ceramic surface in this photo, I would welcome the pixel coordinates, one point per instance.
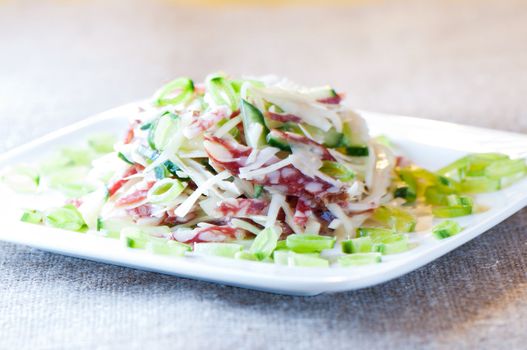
(429, 143)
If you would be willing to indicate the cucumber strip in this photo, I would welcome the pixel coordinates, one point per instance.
(360, 259)
(253, 124)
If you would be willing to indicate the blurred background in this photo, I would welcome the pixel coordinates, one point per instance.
(463, 61)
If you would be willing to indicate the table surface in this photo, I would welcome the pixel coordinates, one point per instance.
(462, 61)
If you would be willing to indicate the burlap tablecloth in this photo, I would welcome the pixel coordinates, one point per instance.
(463, 61)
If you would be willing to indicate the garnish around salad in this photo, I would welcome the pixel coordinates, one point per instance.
(256, 169)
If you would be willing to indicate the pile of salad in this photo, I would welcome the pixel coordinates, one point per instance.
(256, 169)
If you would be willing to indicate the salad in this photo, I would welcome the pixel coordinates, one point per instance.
(256, 169)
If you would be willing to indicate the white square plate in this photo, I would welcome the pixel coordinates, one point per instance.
(428, 143)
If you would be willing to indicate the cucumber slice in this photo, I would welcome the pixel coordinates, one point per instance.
(306, 243)
(360, 259)
(357, 151)
(175, 92)
(161, 246)
(322, 93)
(446, 229)
(253, 125)
(357, 245)
(32, 217)
(226, 250)
(162, 132)
(124, 158)
(21, 178)
(276, 140)
(265, 243)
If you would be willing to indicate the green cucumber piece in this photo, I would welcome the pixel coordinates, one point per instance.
(265, 243)
(446, 229)
(226, 250)
(32, 217)
(357, 245)
(253, 125)
(306, 243)
(274, 139)
(160, 246)
(175, 92)
(360, 259)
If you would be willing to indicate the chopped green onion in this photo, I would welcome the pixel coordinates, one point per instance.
(176, 92)
(226, 250)
(134, 237)
(265, 243)
(165, 129)
(67, 218)
(309, 243)
(446, 229)
(162, 246)
(165, 191)
(289, 258)
(22, 178)
(396, 218)
(71, 182)
(222, 91)
(32, 217)
(434, 196)
(337, 170)
(254, 127)
(504, 168)
(302, 260)
(376, 234)
(357, 151)
(281, 245)
(357, 245)
(258, 190)
(397, 243)
(124, 158)
(112, 227)
(479, 185)
(102, 143)
(360, 259)
(245, 255)
(406, 193)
